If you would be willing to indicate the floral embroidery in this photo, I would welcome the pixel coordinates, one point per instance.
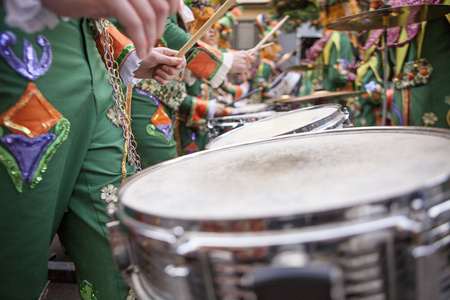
(31, 67)
(109, 193)
(414, 73)
(429, 118)
(87, 291)
(171, 94)
(447, 99)
(112, 115)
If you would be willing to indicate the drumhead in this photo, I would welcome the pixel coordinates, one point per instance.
(257, 115)
(295, 121)
(250, 108)
(298, 174)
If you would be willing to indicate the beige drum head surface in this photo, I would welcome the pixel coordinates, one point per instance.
(282, 123)
(294, 174)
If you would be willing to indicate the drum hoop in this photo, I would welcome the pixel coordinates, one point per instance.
(430, 191)
(243, 116)
(314, 126)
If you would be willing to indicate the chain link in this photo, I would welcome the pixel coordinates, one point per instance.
(116, 82)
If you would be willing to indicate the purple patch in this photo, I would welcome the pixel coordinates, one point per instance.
(144, 93)
(191, 134)
(393, 33)
(30, 68)
(28, 151)
(165, 129)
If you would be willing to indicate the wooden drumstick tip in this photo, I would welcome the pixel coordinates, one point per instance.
(214, 18)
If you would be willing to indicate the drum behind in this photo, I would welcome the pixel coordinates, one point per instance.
(221, 125)
(358, 213)
(309, 119)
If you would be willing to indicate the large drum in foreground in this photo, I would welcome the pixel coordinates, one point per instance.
(343, 214)
(308, 119)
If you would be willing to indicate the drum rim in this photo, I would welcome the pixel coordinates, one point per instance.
(243, 116)
(307, 128)
(428, 188)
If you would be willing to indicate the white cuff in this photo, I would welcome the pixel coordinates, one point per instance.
(245, 87)
(130, 65)
(29, 15)
(223, 70)
(212, 105)
(188, 78)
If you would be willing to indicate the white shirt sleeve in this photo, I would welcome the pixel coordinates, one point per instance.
(29, 15)
(130, 65)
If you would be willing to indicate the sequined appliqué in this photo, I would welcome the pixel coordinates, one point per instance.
(109, 193)
(87, 291)
(162, 122)
(27, 151)
(43, 115)
(30, 66)
(31, 146)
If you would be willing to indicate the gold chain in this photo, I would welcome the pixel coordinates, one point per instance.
(123, 113)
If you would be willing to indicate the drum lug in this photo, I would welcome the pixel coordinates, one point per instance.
(120, 245)
(290, 283)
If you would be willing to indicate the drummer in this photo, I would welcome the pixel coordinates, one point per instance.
(156, 108)
(367, 109)
(190, 129)
(266, 70)
(234, 86)
(334, 52)
(420, 70)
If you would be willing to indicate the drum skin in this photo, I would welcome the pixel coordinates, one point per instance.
(366, 208)
(309, 119)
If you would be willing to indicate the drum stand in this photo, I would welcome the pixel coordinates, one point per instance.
(385, 17)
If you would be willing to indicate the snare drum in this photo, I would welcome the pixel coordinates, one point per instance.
(314, 118)
(358, 213)
(250, 108)
(219, 126)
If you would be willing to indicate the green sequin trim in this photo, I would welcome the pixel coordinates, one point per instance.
(11, 167)
(152, 130)
(87, 291)
(124, 54)
(62, 131)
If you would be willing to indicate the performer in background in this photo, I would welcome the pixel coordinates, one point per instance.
(266, 70)
(62, 159)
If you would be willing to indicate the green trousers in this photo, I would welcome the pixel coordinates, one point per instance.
(65, 189)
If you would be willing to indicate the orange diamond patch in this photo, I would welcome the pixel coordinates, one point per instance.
(161, 117)
(32, 115)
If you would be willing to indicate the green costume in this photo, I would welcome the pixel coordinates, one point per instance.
(264, 75)
(61, 160)
(162, 115)
(333, 51)
(367, 109)
(422, 92)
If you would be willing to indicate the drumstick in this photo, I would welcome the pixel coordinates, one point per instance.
(252, 50)
(269, 34)
(214, 18)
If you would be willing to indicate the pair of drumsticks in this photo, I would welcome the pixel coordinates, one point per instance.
(214, 18)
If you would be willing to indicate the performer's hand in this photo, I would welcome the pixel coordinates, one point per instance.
(241, 62)
(220, 109)
(161, 65)
(144, 20)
